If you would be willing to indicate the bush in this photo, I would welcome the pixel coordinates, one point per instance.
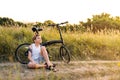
(82, 46)
(10, 38)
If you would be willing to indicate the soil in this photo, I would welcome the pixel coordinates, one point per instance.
(75, 70)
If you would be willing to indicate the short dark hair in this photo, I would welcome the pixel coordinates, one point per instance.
(34, 37)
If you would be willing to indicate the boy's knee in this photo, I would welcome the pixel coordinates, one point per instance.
(43, 48)
(31, 65)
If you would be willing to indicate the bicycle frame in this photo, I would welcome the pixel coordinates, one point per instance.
(60, 34)
(51, 42)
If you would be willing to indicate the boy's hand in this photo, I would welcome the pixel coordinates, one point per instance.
(33, 62)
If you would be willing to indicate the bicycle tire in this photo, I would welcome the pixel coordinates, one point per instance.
(64, 54)
(21, 53)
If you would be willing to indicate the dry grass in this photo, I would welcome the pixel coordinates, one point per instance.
(82, 70)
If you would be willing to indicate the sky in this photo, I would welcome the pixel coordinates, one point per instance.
(72, 11)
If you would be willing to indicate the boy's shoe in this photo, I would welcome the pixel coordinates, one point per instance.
(51, 67)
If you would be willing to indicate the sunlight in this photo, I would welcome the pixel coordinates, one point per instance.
(57, 10)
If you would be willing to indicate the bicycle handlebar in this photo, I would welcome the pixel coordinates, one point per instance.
(58, 24)
(35, 29)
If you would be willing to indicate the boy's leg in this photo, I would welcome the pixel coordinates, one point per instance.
(35, 66)
(45, 55)
(40, 66)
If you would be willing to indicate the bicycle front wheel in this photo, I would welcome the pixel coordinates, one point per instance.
(65, 54)
(21, 53)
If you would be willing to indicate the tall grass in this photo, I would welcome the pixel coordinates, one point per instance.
(10, 38)
(82, 46)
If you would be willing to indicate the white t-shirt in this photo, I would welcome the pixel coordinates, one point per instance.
(36, 53)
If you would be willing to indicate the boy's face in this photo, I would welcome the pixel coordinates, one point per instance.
(38, 39)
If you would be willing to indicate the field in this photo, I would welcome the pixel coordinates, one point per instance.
(93, 56)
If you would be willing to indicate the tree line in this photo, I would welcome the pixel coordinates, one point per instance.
(101, 22)
(8, 22)
(104, 21)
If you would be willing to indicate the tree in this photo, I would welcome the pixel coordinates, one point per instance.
(47, 22)
(102, 22)
(10, 22)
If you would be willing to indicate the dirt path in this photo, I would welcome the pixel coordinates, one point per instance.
(77, 70)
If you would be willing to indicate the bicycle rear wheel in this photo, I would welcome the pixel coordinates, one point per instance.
(21, 53)
(65, 54)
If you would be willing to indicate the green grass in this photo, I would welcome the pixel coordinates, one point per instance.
(83, 46)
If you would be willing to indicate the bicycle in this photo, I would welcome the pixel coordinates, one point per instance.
(21, 52)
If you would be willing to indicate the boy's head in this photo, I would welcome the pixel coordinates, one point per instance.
(37, 38)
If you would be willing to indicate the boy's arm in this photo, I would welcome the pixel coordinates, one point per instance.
(30, 54)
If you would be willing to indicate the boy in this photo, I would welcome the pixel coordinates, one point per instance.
(37, 54)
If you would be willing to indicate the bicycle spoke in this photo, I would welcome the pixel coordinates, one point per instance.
(21, 53)
(64, 54)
